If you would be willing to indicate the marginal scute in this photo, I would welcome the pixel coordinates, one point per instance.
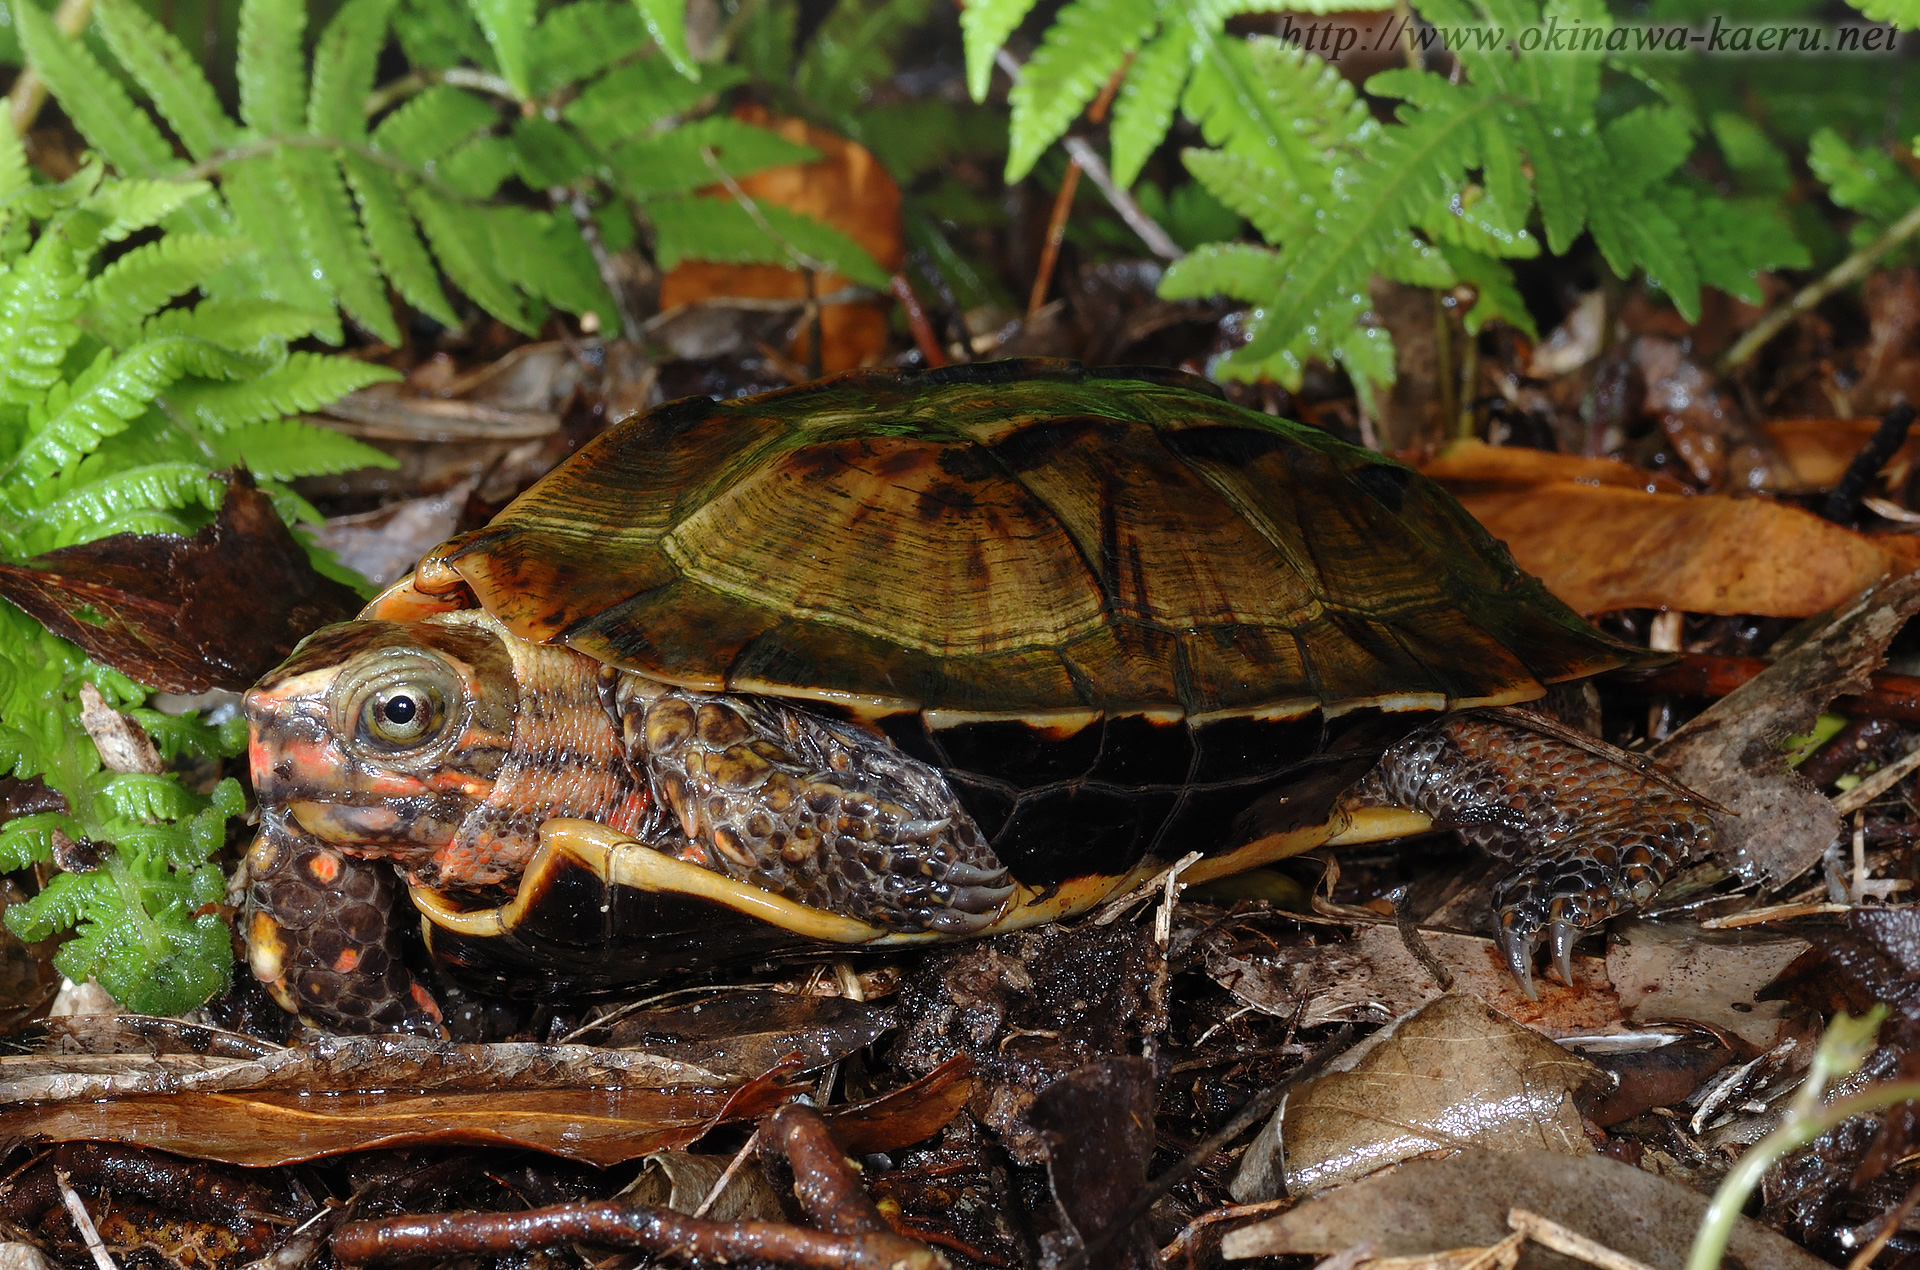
(1018, 540)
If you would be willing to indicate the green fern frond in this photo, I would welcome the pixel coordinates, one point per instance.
(330, 240)
(633, 99)
(1143, 111)
(257, 191)
(1904, 14)
(93, 98)
(92, 510)
(464, 248)
(548, 156)
(15, 175)
(242, 325)
(38, 304)
(1081, 50)
(270, 67)
(672, 163)
(508, 24)
(1867, 180)
(110, 396)
(544, 254)
(1408, 171)
(432, 124)
(477, 168)
(283, 449)
(984, 27)
(852, 54)
(391, 234)
(164, 69)
(305, 381)
(137, 796)
(723, 230)
(344, 66)
(575, 42)
(667, 22)
(127, 207)
(136, 285)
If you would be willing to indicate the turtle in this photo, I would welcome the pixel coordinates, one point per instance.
(913, 655)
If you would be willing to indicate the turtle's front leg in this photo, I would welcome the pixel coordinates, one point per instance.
(810, 808)
(324, 934)
(1589, 837)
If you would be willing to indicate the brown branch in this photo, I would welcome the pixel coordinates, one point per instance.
(823, 1180)
(613, 1224)
(923, 337)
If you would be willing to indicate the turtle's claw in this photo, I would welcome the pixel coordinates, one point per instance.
(1518, 949)
(1563, 935)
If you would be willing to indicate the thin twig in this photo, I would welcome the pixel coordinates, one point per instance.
(83, 1222)
(1888, 1227)
(923, 337)
(800, 258)
(727, 1175)
(1056, 233)
(576, 206)
(29, 90)
(1848, 271)
(1551, 1234)
(1158, 240)
(419, 81)
(1878, 783)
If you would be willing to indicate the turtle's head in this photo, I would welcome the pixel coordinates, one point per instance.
(382, 737)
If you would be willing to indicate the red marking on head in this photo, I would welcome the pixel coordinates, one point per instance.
(325, 868)
(347, 961)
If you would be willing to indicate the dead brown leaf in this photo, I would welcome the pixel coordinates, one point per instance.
(1375, 970)
(1731, 751)
(1430, 1206)
(1455, 1073)
(1606, 548)
(1672, 971)
(216, 610)
(846, 188)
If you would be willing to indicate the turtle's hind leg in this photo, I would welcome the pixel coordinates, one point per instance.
(1589, 837)
(324, 935)
(816, 810)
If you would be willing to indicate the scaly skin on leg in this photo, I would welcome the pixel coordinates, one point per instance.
(323, 935)
(1589, 838)
(809, 808)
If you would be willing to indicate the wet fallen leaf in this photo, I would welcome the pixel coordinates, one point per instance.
(216, 610)
(1731, 751)
(740, 1033)
(681, 1181)
(1454, 1073)
(1677, 971)
(1430, 1206)
(1030, 1007)
(603, 1123)
(1375, 972)
(1816, 451)
(1097, 1122)
(847, 189)
(1602, 548)
(1474, 467)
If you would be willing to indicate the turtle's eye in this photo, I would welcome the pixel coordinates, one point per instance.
(404, 703)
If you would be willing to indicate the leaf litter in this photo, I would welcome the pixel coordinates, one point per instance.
(1024, 1101)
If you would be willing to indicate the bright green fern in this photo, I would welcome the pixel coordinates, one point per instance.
(495, 176)
(117, 403)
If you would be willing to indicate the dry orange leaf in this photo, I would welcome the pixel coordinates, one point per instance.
(1817, 451)
(1601, 548)
(601, 1126)
(1476, 466)
(847, 189)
